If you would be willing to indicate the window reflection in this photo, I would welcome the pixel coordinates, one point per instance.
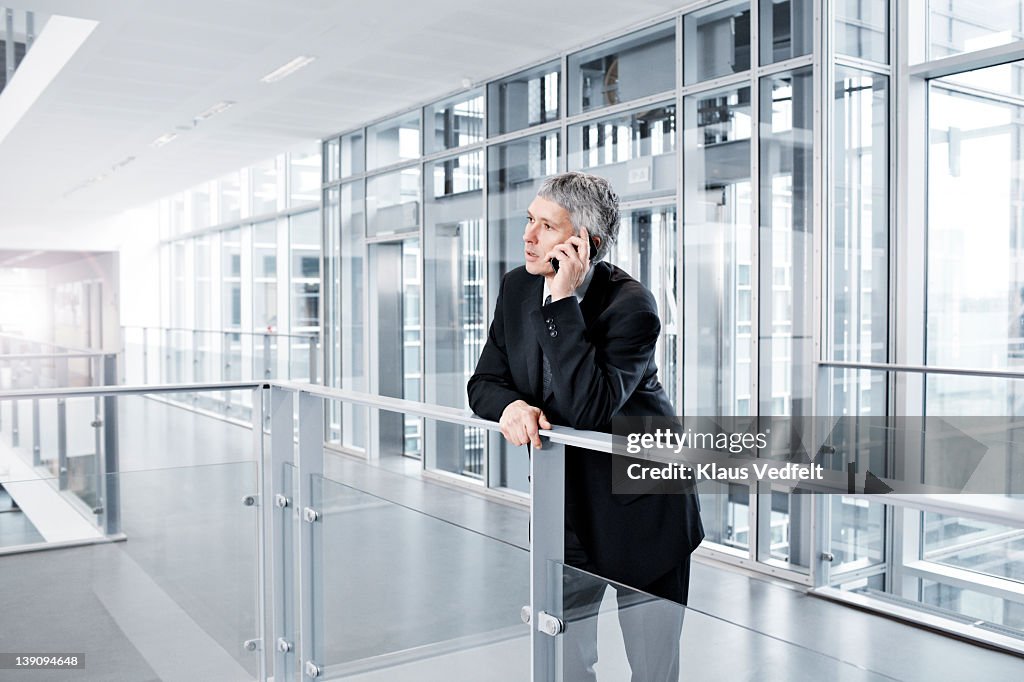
(393, 141)
(455, 122)
(719, 41)
(717, 251)
(635, 151)
(526, 99)
(861, 29)
(787, 28)
(621, 70)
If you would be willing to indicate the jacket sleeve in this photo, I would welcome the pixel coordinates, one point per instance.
(491, 387)
(597, 374)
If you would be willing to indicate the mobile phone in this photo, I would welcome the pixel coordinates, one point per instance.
(593, 253)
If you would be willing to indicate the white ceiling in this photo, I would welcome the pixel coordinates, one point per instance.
(150, 67)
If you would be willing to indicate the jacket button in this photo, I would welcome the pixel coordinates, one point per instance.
(553, 333)
(549, 320)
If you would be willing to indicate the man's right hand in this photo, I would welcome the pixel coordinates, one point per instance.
(520, 423)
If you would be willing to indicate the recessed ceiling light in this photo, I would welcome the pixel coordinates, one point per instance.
(213, 111)
(163, 139)
(288, 69)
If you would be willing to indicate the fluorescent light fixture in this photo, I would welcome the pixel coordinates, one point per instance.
(288, 69)
(163, 139)
(213, 111)
(54, 48)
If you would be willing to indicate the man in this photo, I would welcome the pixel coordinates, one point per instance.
(575, 347)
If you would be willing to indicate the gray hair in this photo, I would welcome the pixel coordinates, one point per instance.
(591, 203)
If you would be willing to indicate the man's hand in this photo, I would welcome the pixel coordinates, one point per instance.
(520, 423)
(573, 264)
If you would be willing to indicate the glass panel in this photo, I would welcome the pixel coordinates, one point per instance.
(526, 99)
(203, 317)
(859, 249)
(973, 604)
(786, 166)
(231, 276)
(787, 28)
(967, 25)
(393, 141)
(199, 196)
(515, 171)
(393, 202)
(467, 620)
(857, 533)
(305, 260)
(455, 122)
(230, 187)
(634, 66)
(352, 154)
(646, 249)
(717, 250)
(264, 179)
(454, 289)
(332, 300)
(979, 546)
(351, 332)
(634, 151)
(304, 177)
(975, 295)
(717, 41)
(264, 272)
(725, 513)
(621, 633)
(862, 29)
(412, 343)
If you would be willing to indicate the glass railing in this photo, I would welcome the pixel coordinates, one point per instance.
(614, 632)
(163, 355)
(211, 550)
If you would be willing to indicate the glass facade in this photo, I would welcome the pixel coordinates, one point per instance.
(760, 208)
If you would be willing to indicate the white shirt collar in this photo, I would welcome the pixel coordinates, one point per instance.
(581, 290)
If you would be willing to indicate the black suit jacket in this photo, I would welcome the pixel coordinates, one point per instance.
(601, 352)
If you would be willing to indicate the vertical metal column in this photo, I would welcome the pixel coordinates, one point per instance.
(267, 371)
(145, 355)
(279, 513)
(547, 547)
(262, 503)
(311, 468)
(111, 488)
(314, 343)
(62, 445)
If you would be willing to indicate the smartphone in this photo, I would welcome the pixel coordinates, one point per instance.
(593, 253)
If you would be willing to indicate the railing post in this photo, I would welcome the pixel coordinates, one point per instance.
(36, 447)
(267, 373)
(62, 445)
(279, 514)
(313, 353)
(110, 470)
(145, 355)
(311, 468)
(547, 552)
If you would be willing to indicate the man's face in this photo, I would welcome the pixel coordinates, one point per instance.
(547, 224)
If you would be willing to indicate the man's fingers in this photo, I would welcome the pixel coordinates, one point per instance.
(543, 420)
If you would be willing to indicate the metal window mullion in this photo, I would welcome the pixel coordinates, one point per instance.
(862, 64)
(680, 288)
(277, 531)
(755, 535)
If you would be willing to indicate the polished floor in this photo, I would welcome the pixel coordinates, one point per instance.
(414, 580)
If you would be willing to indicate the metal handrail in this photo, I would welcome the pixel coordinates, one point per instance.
(307, 335)
(71, 349)
(922, 369)
(47, 356)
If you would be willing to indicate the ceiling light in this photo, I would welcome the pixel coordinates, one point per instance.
(212, 111)
(286, 70)
(163, 139)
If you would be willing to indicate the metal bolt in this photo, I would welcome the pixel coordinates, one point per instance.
(283, 645)
(548, 624)
(827, 556)
(526, 614)
(96, 424)
(280, 501)
(310, 515)
(312, 669)
(251, 644)
(249, 500)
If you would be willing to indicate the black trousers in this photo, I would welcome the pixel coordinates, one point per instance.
(651, 627)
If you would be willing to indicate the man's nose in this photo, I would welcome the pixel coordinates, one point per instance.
(529, 233)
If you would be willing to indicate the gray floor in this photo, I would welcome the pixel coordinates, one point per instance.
(418, 581)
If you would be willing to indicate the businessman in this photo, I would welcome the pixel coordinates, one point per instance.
(574, 345)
